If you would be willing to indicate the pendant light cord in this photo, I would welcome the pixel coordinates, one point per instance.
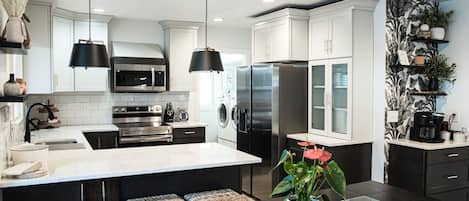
(206, 17)
(89, 18)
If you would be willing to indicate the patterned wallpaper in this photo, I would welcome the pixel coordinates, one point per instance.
(401, 26)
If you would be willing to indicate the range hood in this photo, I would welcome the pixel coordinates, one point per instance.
(136, 53)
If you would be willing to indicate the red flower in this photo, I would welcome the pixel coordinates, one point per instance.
(306, 144)
(313, 154)
(326, 156)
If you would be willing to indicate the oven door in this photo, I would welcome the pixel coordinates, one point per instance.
(133, 78)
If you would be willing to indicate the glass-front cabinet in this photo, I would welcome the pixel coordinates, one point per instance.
(330, 98)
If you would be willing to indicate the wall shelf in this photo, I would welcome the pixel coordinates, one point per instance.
(12, 48)
(414, 68)
(428, 93)
(429, 41)
(13, 99)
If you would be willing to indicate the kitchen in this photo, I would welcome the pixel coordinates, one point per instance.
(193, 100)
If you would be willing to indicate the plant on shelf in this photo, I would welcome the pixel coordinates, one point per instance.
(420, 57)
(437, 19)
(438, 69)
(304, 181)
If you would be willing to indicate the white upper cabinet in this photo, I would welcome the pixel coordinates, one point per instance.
(37, 64)
(281, 36)
(341, 70)
(69, 28)
(331, 36)
(91, 79)
(62, 34)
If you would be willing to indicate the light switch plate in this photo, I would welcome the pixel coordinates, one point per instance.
(393, 116)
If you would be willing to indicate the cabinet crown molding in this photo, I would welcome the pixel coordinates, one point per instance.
(60, 12)
(292, 13)
(368, 5)
(175, 24)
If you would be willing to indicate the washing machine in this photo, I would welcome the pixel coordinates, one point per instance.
(226, 133)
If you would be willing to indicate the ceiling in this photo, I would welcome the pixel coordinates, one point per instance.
(234, 12)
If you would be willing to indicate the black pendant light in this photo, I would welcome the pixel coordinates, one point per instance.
(206, 59)
(88, 53)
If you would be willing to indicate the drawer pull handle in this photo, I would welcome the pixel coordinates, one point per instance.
(189, 132)
(453, 177)
(453, 155)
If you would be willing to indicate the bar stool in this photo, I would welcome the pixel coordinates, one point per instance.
(170, 197)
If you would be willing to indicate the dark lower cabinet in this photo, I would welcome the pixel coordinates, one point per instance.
(441, 174)
(103, 140)
(188, 135)
(355, 160)
(50, 192)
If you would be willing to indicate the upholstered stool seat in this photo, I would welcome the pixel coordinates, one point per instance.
(170, 197)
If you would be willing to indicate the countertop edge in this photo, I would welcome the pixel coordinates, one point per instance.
(427, 146)
(336, 144)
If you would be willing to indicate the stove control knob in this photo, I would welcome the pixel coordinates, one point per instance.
(116, 109)
(123, 109)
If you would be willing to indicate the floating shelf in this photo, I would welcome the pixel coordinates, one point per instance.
(428, 93)
(429, 40)
(12, 99)
(12, 48)
(415, 68)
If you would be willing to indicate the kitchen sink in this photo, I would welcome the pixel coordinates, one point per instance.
(61, 144)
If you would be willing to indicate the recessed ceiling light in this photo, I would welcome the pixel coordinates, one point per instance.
(218, 19)
(268, 1)
(98, 10)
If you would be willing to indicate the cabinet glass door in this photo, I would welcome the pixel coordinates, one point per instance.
(318, 91)
(340, 87)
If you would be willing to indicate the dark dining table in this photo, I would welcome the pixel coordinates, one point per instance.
(377, 191)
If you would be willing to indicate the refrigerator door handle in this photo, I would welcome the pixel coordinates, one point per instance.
(243, 121)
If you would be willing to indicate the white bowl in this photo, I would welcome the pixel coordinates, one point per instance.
(30, 153)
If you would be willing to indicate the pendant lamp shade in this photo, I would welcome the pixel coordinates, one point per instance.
(206, 59)
(88, 54)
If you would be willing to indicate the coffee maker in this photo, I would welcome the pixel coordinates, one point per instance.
(427, 127)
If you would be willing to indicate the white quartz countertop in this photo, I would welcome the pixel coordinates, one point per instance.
(427, 146)
(88, 164)
(325, 141)
(187, 124)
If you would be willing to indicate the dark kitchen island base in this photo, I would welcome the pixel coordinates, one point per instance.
(124, 188)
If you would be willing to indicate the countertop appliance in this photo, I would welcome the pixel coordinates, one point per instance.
(141, 126)
(169, 113)
(138, 67)
(272, 102)
(427, 127)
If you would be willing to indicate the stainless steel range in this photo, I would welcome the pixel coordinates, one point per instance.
(141, 126)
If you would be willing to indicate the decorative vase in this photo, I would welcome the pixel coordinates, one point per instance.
(434, 84)
(438, 33)
(424, 27)
(11, 88)
(14, 30)
(419, 60)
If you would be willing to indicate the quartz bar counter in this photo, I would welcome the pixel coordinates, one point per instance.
(88, 164)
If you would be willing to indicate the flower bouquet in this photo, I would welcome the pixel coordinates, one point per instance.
(305, 180)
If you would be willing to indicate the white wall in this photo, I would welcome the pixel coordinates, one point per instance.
(457, 52)
(378, 91)
(142, 31)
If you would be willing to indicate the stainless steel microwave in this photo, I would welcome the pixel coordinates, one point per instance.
(139, 78)
(138, 67)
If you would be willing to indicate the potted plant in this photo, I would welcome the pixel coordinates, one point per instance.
(420, 57)
(305, 180)
(437, 19)
(438, 69)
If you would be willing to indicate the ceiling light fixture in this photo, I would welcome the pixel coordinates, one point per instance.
(269, 1)
(206, 59)
(98, 10)
(88, 53)
(218, 19)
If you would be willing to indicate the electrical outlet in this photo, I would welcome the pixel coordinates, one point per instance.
(458, 117)
(393, 116)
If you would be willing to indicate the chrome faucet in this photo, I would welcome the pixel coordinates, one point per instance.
(27, 133)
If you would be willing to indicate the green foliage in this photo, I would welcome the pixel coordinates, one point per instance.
(304, 179)
(438, 67)
(435, 17)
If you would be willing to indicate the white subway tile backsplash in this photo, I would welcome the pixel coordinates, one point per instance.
(79, 109)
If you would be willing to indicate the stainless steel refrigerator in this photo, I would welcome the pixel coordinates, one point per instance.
(272, 102)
